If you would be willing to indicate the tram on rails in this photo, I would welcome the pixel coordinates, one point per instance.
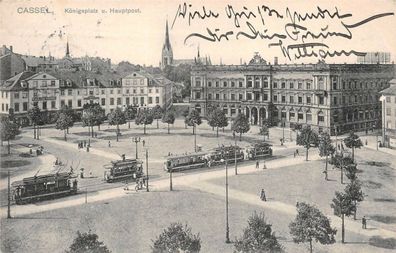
(44, 186)
(123, 169)
(204, 159)
(259, 151)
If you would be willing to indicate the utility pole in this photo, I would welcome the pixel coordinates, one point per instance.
(9, 198)
(136, 140)
(235, 153)
(195, 138)
(227, 226)
(147, 175)
(170, 179)
(283, 132)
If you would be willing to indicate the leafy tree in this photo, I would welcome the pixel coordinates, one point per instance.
(218, 119)
(87, 243)
(258, 236)
(310, 224)
(194, 119)
(8, 130)
(181, 74)
(353, 141)
(64, 122)
(325, 147)
(308, 138)
(297, 128)
(342, 206)
(157, 113)
(354, 191)
(185, 114)
(93, 115)
(351, 171)
(241, 125)
(70, 112)
(177, 238)
(130, 114)
(169, 118)
(264, 130)
(35, 117)
(144, 118)
(117, 118)
(342, 162)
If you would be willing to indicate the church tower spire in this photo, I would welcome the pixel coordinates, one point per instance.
(67, 49)
(167, 53)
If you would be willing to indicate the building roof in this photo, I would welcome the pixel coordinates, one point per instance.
(14, 83)
(79, 78)
(391, 90)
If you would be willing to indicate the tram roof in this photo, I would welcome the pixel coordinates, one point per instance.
(187, 155)
(125, 162)
(41, 179)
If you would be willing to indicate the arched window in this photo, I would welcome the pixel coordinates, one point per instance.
(320, 116)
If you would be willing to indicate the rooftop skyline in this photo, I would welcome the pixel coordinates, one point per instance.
(139, 37)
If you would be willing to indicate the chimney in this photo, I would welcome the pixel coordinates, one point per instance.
(275, 60)
(11, 48)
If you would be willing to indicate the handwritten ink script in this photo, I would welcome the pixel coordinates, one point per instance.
(296, 34)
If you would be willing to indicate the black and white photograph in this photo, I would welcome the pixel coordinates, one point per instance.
(170, 126)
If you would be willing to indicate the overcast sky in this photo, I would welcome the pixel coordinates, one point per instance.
(139, 37)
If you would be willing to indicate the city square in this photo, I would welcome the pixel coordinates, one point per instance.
(195, 192)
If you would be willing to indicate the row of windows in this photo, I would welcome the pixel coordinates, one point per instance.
(43, 83)
(292, 85)
(389, 112)
(388, 99)
(69, 92)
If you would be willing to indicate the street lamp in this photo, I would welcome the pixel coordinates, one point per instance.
(226, 184)
(147, 175)
(235, 153)
(283, 132)
(136, 140)
(195, 138)
(9, 198)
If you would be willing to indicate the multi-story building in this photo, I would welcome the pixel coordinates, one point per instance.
(11, 64)
(331, 97)
(388, 99)
(53, 90)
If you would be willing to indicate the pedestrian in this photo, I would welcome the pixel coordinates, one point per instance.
(366, 142)
(31, 151)
(264, 166)
(325, 172)
(297, 153)
(90, 173)
(262, 196)
(257, 164)
(281, 141)
(364, 222)
(109, 144)
(126, 188)
(82, 173)
(96, 135)
(87, 148)
(144, 143)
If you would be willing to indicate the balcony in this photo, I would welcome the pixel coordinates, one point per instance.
(44, 98)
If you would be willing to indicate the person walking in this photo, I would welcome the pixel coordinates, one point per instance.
(109, 144)
(144, 143)
(257, 164)
(262, 196)
(264, 166)
(364, 222)
(297, 153)
(326, 176)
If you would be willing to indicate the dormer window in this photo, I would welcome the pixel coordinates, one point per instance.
(134, 74)
(44, 76)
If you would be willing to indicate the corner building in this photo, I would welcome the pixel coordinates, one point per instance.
(328, 97)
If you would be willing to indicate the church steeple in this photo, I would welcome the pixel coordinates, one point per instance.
(167, 53)
(67, 49)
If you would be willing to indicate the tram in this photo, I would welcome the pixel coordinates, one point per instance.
(204, 159)
(42, 187)
(259, 151)
(123, 169)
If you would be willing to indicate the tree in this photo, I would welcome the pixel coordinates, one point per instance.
(264, 130)
(181, 74)
(169, 118)
(177, 238)
(241, 125)
(351, 171)
(35, 117)
(87, 243)
(130, 114)
(64, 122)
(354, 191)
(9, 130)
(194, 119)
(144, 118)
(297, 128)
(218, 119)
(308, 138)
(70, 112)
(342, 206)
(117, 118)
(93, 115)
(353, 141)
(310, 224)
(342, 162)
(325, 147)
(157, 113)
(258, 236)
(185, 114)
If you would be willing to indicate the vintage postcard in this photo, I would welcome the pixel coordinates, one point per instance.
(197, 126)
